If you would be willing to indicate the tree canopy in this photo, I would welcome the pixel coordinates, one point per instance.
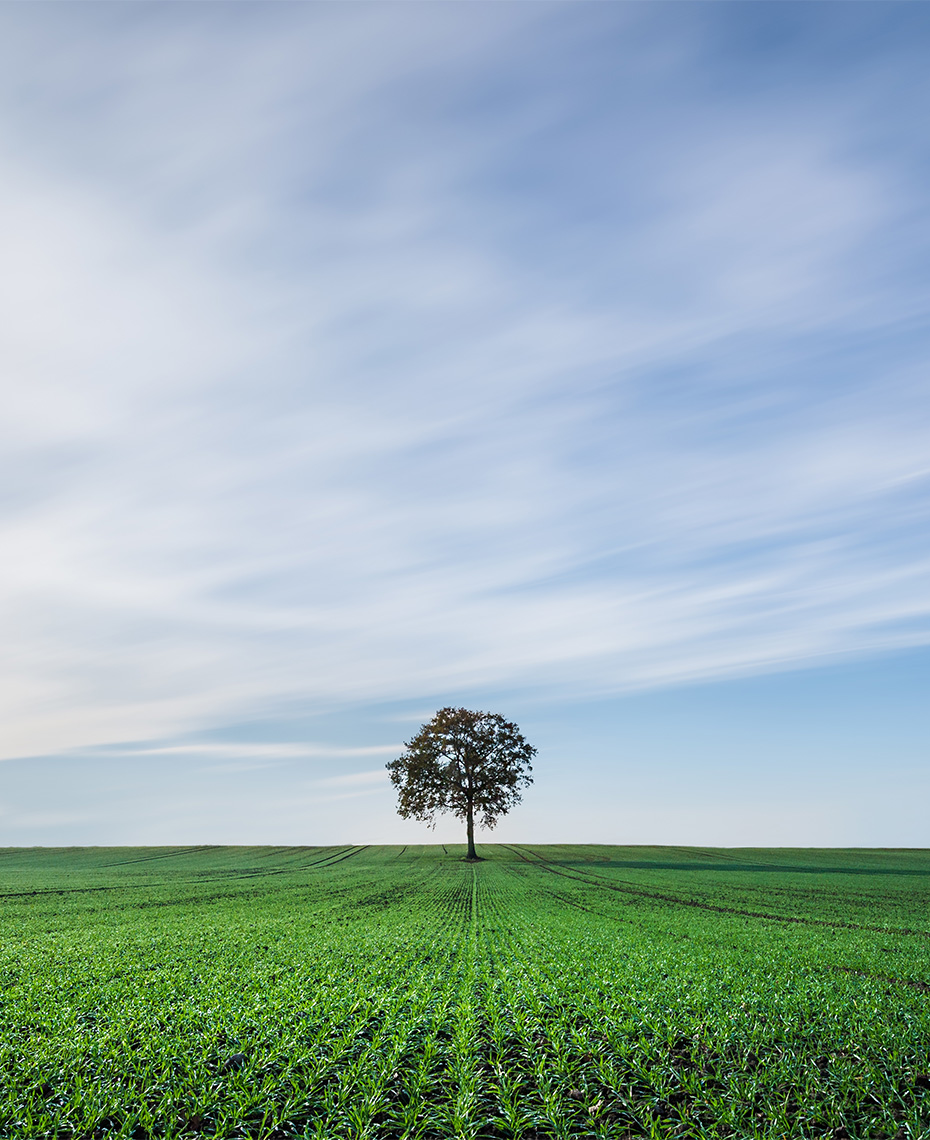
(472, 764)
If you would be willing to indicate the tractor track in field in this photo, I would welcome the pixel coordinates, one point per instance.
(628, 888)
(340, 857)
(325, 862)
(566, 900)
(175, 853)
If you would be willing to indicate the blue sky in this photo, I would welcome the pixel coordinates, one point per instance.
(568, 360)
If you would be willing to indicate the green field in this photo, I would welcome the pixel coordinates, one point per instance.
(399, 992)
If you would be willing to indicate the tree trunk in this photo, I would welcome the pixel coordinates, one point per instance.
(470, 818)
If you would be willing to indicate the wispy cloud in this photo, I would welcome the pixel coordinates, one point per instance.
(373, 779)
(270, 750)
(372, 353)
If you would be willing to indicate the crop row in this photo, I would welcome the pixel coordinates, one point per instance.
(372, 993)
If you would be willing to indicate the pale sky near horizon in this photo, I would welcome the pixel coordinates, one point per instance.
(564, 359)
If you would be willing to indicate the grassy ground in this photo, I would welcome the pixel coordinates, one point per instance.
(387, 992)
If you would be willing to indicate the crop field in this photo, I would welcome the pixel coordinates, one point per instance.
(399, 992)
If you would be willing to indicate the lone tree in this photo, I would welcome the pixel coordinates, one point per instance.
(468, 763)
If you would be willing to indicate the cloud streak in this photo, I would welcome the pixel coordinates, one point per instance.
(368, 355)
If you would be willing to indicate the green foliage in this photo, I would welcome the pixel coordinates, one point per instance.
(399, 993)
(473, 764)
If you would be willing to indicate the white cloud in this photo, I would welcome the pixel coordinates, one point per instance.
(356, 779)
(304, 398)
(258, 749)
